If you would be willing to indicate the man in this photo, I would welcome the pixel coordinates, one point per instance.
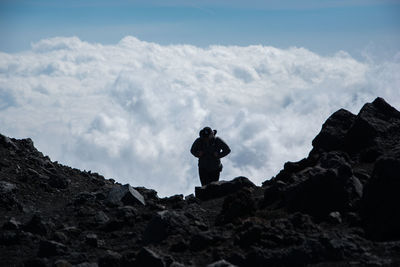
(209, 149)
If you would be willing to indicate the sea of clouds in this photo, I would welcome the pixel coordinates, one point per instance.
(131, 111)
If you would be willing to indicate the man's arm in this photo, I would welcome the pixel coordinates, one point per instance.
(225, 150)
(195, 149)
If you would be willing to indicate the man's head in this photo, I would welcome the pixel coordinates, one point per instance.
(207, 133)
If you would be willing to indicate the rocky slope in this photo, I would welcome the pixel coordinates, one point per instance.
(337, 207)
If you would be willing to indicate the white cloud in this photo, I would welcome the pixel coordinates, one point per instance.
(131, 111)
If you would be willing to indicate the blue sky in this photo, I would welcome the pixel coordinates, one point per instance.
(321, 26)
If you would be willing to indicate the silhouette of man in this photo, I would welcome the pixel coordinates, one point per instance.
(209, 149)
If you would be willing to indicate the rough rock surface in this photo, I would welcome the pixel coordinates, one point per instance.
(337, 207)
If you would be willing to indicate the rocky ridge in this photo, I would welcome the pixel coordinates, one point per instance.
(337, 207)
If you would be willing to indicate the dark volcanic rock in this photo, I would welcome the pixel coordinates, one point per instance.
(147, 257)
(376, 120)
(334, 130)
(336, 207)
(165, 223)
(125, 194)
(381, 210)
(37, 226)
(222, 188)
(239, 204)
(51, 248)
(110, 259)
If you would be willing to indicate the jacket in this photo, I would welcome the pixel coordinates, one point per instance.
(208, 160)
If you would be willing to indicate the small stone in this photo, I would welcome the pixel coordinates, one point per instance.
(51, 248)
(147, 257)
(60, 237)
(110, 258)
(221, 263)
(36, 226)
(335, 217)
(35, 263)
(87, 264)
(8, 238)
(62, 263)
(91, 239)
(6, 187)
(200, 241)
(58, 182)
(125, 194)
(101, 218)
(11, 224)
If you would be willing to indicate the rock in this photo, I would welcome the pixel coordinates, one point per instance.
(147, 257)
(51, 248)
(221, 263)
(380, 204)
(87, 264)
(101, 218)
(127, 213)
(274, 191)
(11, 224)
(83, 198)
(335, 217)
(180, 246)
(334, 130)
(176, 264)
(60, 237)
(6, 142)
(37, 226)
(62, 263)
(125, 194)
(37, 262)
(7, 188)
(237, 205)
(91, 239)
(346, 177)
(110, 259)
(222, 188)
(374, 120)
(190, 199)
(9, 238)
(250, 234)
(329, 187)
(58, 182)
(201, 241)
(175, 201)
(112, 225)
(165, 223)
(148, 194)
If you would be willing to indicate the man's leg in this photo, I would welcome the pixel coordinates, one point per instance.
(214, 176)
(203, 174)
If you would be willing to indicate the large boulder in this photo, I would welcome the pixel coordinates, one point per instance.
(125, 194)
(331, 136)
(375, 122)
(222, 188)
(329, 186)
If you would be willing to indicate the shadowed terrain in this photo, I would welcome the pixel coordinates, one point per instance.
(339, 206)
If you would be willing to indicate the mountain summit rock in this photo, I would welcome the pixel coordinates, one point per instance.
(339, 206)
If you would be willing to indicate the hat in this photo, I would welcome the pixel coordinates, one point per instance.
(207, 131)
